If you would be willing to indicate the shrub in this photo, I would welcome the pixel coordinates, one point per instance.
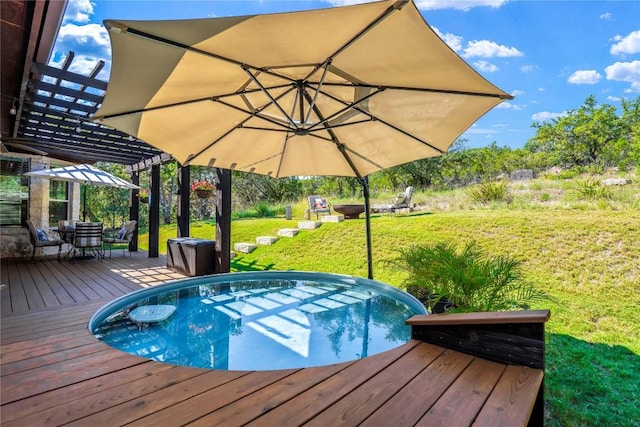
(468, 279)
(592, 189)
(260, 210)
(489, 191)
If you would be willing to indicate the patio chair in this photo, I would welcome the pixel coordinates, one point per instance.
(318, 205)
(88, 235)
(402, 200)
(123, 237)
(40, 239)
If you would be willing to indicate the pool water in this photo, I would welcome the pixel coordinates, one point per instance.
(261, 320)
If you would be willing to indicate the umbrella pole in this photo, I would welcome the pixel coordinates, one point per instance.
(367, 217)
(84, 203)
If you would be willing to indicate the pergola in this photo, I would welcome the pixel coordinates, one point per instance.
(46, 111)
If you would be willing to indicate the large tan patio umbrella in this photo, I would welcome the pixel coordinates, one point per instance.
(342, 91)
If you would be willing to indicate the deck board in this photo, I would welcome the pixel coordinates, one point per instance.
(55, 372)
(251, 407)
(307, 404)
(462, 401)
(358, 405)
(61, 294)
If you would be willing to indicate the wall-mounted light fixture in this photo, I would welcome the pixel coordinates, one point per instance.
(14, 108)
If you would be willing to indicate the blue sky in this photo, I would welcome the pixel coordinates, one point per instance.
(551, 55)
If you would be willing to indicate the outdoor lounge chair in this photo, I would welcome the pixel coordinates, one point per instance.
(40, 239)
(402, 200)
(123, 237)
(318, 205)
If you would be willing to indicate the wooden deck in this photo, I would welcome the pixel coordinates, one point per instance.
(54, 372)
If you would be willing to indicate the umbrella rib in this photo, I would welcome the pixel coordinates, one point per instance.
(366, 113)
(268, 95)
(251, 114)
(118, 27)
(334, 138)
(418, 89)
(315, 98)
(384, 15)
(348, 107)
(255, 114)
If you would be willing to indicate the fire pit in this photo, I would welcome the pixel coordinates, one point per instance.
(349, 211)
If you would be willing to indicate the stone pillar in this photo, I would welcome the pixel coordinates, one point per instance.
(75, 201)
(39, 202)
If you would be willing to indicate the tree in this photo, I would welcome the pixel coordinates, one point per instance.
(108, 204)
(168, 188)
(248, 189)
(628, 147)
(590, 135)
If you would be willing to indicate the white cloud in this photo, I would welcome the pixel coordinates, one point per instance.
(489, 49)
(475, 130)
(485, 67)
(457, 4)
(518, 92)
(606, 16)
(454, 42)
(628, 44)
(614, 98)
(509, 106)
(584, 77)
(527, 68)
(625, 72)
(91, 35)
(546, 115)
(79, 11)
(89, 43)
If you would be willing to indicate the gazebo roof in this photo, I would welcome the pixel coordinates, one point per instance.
(56, 119)
(53, 106)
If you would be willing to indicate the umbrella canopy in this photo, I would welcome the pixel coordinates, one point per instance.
(84, 174)
(341, 91)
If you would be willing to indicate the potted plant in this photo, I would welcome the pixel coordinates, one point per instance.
(143, 196)
(203, 189)
(467, 280)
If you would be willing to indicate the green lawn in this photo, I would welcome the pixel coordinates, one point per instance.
(585, 259)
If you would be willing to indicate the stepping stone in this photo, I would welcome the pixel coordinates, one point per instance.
(288, 232)
(309, 225)
(245, 248)
(232, 255)
(266, 240)
(333, 218)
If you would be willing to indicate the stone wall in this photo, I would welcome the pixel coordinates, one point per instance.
(14, 241)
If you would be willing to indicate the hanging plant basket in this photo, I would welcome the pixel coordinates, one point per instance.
(204, 194)
(144, 199)
(203, 189)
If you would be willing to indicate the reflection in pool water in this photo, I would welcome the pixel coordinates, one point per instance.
(262, 320)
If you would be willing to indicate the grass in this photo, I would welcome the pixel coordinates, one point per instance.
(582, 253)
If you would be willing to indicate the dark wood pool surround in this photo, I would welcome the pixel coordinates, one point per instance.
(457, 369)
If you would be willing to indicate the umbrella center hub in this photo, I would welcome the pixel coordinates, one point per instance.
(301, 131)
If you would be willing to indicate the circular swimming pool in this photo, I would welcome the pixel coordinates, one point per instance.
(258, 320)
